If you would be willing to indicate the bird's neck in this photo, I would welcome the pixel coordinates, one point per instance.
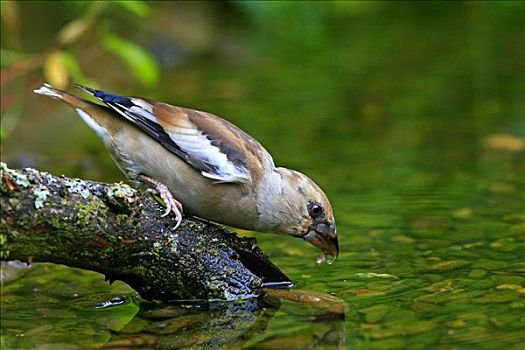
(274, 202)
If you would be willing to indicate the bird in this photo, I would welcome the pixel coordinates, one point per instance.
(206, 166)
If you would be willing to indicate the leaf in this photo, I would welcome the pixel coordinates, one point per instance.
(138, 8)
(72, 31)
(140, 62)
(55, 70)
(505, 142)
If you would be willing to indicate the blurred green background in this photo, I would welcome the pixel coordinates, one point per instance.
(411, 116)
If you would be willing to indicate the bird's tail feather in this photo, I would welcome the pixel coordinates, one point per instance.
(48, 90)
(97, 117)
(72, 100)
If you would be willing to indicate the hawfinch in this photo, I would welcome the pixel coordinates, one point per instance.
(214, 169)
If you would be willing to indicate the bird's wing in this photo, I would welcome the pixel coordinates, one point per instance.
(213, 146)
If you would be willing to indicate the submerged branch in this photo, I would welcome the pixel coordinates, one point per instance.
(118, 231)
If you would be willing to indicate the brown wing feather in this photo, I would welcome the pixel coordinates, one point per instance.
(239, 147)
(212, 145)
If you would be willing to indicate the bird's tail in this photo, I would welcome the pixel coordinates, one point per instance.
(72, 100)
(48, 90)
(97, 117)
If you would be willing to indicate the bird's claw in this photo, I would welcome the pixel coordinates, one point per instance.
(172, 205)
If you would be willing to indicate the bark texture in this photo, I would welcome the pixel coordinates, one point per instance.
(118, 231)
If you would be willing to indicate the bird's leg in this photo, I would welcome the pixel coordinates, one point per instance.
(172, 205)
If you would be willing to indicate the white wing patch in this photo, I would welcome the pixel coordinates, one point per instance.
(143, 109)
(143, 113)
(196, 144)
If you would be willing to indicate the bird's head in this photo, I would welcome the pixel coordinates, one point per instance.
(305, 211)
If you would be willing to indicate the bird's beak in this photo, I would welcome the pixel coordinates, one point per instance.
(324, 237)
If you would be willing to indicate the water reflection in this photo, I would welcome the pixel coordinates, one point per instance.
(409, 115)
(232, 326)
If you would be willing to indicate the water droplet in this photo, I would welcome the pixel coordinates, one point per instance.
(325, 259)
(329, 259)
(320, 259)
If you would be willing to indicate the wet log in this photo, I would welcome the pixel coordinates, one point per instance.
(118, 231)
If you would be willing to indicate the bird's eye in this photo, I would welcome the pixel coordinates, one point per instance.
(315, 209)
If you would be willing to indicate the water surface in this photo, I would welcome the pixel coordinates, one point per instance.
(411, 118)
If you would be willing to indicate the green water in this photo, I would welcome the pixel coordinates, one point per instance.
(411, 117)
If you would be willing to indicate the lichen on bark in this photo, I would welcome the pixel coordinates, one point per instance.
(118, 231)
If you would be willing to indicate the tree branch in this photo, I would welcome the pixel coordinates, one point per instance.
(118, 231)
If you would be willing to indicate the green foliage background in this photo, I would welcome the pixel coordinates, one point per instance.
(410, 115)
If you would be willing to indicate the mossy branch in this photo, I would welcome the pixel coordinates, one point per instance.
(118, 231)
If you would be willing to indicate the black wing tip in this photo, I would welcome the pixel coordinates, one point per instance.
(106, 97)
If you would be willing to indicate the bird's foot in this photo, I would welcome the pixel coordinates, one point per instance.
(172, 205)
